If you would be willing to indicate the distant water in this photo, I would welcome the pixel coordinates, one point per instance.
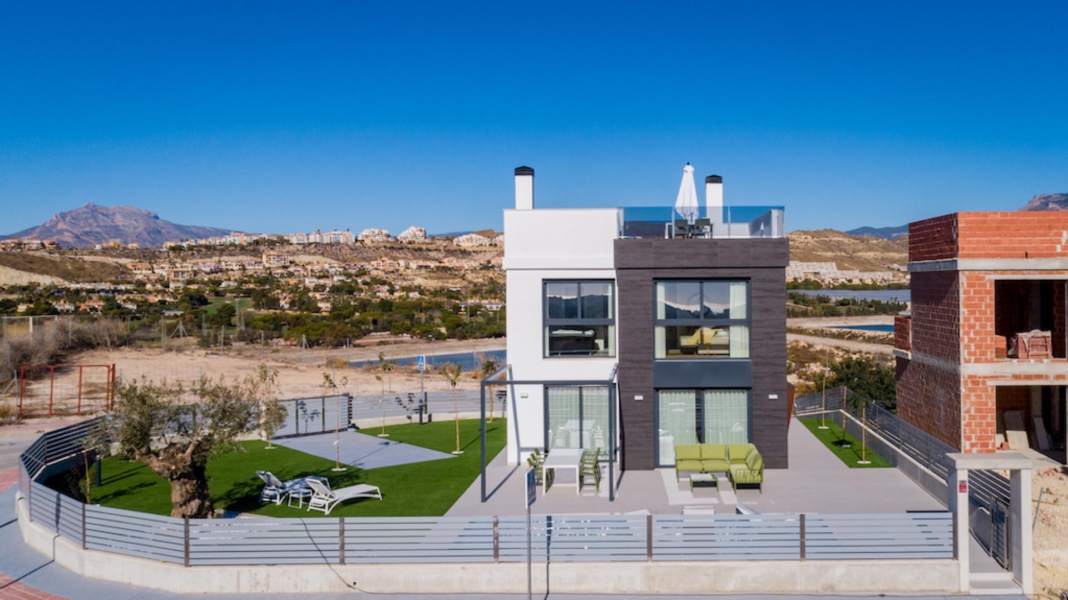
(884, 328)
(469, 360)
(882, 295)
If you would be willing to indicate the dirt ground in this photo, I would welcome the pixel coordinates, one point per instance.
(300, 373)
(1050, 540)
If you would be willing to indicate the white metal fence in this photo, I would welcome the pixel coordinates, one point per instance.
(406, 540)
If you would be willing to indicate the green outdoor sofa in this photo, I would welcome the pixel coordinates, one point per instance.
(741, 462)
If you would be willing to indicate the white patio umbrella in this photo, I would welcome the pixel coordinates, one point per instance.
(686, 203)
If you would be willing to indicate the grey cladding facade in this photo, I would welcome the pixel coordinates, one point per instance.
(639, 264)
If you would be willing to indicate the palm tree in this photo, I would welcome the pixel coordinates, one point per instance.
(452, 374)
(489, 367)
(385, 366)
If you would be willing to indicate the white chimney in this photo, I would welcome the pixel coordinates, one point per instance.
(714, 198)
(524, 188)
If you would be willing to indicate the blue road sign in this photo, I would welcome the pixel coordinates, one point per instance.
(420, 362)
(532, 488)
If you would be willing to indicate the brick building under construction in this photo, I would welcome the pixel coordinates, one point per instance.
(981, 359)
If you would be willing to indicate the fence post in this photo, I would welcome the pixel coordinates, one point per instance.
(187, 541)
(51, 388)
(341, 540)
(496, 540)
(80, 389)
(84, 534)
(802, 526)
(955, 555)
(649, 538)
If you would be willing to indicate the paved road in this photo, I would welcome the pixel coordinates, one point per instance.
(852, 345)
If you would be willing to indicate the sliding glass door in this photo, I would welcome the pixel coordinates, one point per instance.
(700, 416)
(576, 418)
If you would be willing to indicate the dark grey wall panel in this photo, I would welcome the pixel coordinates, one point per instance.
(639, 262)
(703, 374)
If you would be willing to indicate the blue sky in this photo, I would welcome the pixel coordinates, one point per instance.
(282, 117)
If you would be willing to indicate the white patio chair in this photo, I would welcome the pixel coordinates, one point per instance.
(325, 499)
(273, 488)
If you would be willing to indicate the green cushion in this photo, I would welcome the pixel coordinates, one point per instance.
(713, 451)
(754, 461)
(742, 474)
(687, 452)
(715, 465)
(738, 452)
(688, 464)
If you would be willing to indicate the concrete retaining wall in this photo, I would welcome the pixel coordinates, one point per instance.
(798, 577)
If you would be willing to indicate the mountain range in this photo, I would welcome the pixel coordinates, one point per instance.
(1047, 202)
(92, 224)
(1041, 202)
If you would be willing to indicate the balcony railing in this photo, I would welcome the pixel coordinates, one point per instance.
(725, 223)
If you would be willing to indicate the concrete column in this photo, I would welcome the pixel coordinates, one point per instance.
(957, 502)
(1020, 533)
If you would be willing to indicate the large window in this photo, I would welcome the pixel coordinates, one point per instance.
(700, 416)
(579, 318)
(576, 418)
(702, 319)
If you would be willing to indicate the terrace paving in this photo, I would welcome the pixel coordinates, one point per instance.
(816, 482)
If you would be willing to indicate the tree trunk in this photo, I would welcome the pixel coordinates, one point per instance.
(185, 466)
(190, 497)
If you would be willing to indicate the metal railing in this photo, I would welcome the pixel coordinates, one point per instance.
(406, 540)
(709, 223)
(988, 488)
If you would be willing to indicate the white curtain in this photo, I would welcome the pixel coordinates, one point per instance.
(563, 417)
(726, 416)
(739, 341)
(739, 299)
(678, 421)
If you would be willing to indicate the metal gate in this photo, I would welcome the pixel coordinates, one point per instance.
(1000, 548)
(309, 416)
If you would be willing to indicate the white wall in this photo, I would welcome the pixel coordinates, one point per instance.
(560, 238)
(548, 244)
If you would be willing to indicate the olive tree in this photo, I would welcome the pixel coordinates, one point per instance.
(174, 430)
(270, 414)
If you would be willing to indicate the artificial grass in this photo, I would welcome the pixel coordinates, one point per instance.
(849, 455)
(419, 489)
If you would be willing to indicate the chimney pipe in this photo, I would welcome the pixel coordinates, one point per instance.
(714, 198)
(524, 188)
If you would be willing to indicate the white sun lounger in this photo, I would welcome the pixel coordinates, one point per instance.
(276, 491)
(325, 499)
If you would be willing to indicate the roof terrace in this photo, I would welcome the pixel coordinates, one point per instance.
(716, 222)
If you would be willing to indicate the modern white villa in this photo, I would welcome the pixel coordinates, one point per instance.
(634, 330)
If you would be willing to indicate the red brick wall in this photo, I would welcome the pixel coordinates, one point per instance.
(1011, 235)
(933, 239)
(990, 235)
(936, 315)
(978, 414)
(902, 333)
(929, 398)
(977, 317)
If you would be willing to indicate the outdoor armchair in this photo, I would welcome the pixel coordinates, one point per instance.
(751, 472)
(590, 468)
(738, 452)
(536, 460)
(687, 458)
(325, 499)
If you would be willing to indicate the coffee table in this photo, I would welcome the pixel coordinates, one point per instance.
(704, 478)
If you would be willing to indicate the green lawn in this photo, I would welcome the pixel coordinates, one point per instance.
(851, 454)
(418, 489)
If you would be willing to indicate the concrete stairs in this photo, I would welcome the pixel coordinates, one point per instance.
(993, 584)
